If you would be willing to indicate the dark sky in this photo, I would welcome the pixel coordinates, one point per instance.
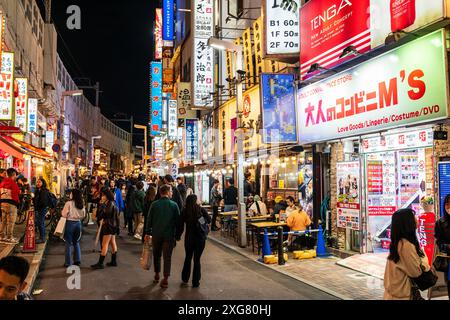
(114, 47)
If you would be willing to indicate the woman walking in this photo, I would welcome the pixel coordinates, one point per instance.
(41, 202)
(74, 212)
(194, 239)
(442, 235)
(406, 259)
(109, 215)
(149, 199)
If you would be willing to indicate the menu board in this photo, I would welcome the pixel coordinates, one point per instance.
(444, 183)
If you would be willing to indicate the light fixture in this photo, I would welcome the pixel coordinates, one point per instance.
(294, 158)
(230, 171)
(283, 165)
(255, 162)
(348, 51)
(269, 161)
(224, 171)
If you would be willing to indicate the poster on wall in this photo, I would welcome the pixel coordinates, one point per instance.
(21, 104)
(328, 27)
(278, 108)
(348, 195)
(394, 89)
(156, 98)
(6, 86)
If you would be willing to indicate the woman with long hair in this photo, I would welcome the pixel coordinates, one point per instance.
(148, 200)
(109, 215)
(406, 259)
(41, 202)
(74, 212)
(194, 240)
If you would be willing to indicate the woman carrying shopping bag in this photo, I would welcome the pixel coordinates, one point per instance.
(74, 212)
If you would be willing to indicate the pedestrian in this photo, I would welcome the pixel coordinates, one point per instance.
(138, 216)
(93, 195)
(258, 208)
(216, 197)
(9, 196)
(182, 189)
(13, 274)
(129, 207)
(161, 227)
(442, 235)
(2, 174)
(74, 212)
(194, 239)
(149, 199)
(230, 197)
(117, 191)
(168, 180)
(109, 214)
(406, 259)
(280, 205)
(41, 203)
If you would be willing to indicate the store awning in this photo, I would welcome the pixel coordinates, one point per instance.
(8, 149)
(28, 148)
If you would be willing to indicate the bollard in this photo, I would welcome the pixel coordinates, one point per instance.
(280, 246)
(321, 250)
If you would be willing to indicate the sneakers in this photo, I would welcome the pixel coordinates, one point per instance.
(138, 236)
(164, 283)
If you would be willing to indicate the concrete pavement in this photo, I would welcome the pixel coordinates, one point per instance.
(226, 275)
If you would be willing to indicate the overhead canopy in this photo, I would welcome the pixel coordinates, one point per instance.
(7, 149)
(27, 148)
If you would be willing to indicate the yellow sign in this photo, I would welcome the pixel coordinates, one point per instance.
(280, 184)
(258, 40)
(248, 57)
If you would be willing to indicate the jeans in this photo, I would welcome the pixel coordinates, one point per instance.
(40, 222)
(228, 208)
(194, 249)
(72, 236)
(162, 247)
(9, 215)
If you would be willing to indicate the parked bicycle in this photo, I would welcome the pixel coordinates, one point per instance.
(24, 207)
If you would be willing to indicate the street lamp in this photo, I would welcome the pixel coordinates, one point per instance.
(223, 45)
(92, 150)
(143, 151)
(138, 126)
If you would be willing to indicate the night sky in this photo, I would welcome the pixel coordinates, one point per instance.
(114, 47)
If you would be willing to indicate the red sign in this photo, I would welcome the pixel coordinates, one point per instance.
(426, 222)
(375, 177)
(29, 242)
(327, 27)
(381, 211)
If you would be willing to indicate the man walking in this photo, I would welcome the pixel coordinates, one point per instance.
(161, 226)
(215, 203)
(176, 196)
(182, 189)
(9, 191)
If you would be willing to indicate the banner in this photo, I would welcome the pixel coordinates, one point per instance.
(203, 56)
(327, 27)
(248, 57)
(167, 69)
(281, 28)
(192, 138)
(49, 141)
(159, 150)
(32, 114)
(391, 90)
(156, 98)
(168, 19)
(21, 104)
(258, 43)
(97, 156)
(172, 120)
(184, 98)
(158, 34)
(278, 108)
(348, 195)
(6, 86)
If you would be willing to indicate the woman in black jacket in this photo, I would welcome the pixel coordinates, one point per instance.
(41, 203)
(442, 234)
(149, 199)
(109, 214)
(193, 215)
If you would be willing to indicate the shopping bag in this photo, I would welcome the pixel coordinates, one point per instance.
(60, 227)
(146, 257)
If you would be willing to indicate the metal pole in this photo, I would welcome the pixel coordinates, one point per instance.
(92, 155)
(145, 147)
(97, 93)
(280, 247)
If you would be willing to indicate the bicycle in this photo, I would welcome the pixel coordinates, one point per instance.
(23, 209)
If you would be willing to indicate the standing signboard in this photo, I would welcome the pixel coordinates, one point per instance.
(348, 195)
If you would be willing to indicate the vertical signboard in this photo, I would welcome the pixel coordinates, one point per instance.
(6, 86)
(192, 137)
(158, 34)
(156, 98)
(167, 67)
(168, 14)
(281, 29)
(49, 141)
(184, 99)
(348, 195)
(248, 57)
(258, 43)
(172, 120)
(21, 102)
(32, 114)
(278, 108)
(97, 156)
(66, 145)
(203, 56)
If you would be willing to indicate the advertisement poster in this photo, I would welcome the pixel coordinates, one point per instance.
(192, 138)
(21, 104)
(394, 89)
(6, 86)
(32, 114)
(348, 195)
(168, 23)
(184, 99)
(158, 34)
(329, 26)
(278, 108)
(281, 28)
(156, 101)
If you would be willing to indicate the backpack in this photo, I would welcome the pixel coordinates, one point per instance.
(203, 228)
(53, 201)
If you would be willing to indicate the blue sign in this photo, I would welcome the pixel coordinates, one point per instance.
(156, 98)
(279, 109)
(444, 184)
(191, 139)
(168, 16)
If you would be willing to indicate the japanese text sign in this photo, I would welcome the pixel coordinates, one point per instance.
(348, 195)
(158, 34)
(156, 98)
(32, 114)
(21, 102)
(6, 86)
(173, 120)
(192, 136)
(168, 17)
(184, 98)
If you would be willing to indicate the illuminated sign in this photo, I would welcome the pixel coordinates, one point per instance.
(21, 102)
(168, 13)
(156, 98)
(6, 86)
(32, 114)
(158, 34)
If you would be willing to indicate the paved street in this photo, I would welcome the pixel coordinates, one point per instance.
(226, 275)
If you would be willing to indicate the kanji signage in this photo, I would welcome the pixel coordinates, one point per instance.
(172, 120)
(21, 104)
(348, 195)
(6, 86)
(192, 137)
(248, 57)
(168, 19)
(184, 98)
(167, 77)
(391, 90)
(156, 98)
(97, 156)
(258, 43)
(158, 34)
(32, 114)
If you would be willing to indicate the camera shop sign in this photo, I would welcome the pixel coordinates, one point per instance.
(395, 89)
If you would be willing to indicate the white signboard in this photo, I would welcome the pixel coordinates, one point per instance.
(49, 141)
(282, 28)
(32, 115)
(159, 148)
(21, 102)
(66, 138)
(173, 120)
(415, 139)
(97, 156)
(6, 86)
(203, 19)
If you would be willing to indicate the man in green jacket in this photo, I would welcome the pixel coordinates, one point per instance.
(161, 228)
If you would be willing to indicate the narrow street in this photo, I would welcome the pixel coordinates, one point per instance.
(225, 276)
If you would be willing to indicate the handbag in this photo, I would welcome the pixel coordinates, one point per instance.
(146, 257)
(426, 280)
(60, 227)
(440, 263)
